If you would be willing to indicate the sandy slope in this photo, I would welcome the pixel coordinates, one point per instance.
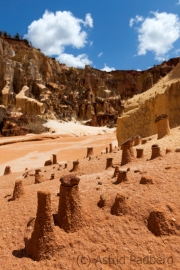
(69, 142)
(76, 129)
(104, 235)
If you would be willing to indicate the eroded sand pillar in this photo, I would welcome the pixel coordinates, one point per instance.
(127, 151)
(69, 213)
(156, 151)
(39, 178)
(90, 151)
(41, 244)
(122, 177)
(137, 140)
(110, 148)
(109, 163)
(75, 166)
(54, 159)
(116, 171)
(7, 170)
(140, 152)
(120, 206)
(18, 190)
(162, 123)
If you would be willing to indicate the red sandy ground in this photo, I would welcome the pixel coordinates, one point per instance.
(107, 241)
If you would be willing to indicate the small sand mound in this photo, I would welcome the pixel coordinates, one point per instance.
(146, 179)
(7, 170)
(120, 206)
(159, 224)
(122, 177)
(102, 201)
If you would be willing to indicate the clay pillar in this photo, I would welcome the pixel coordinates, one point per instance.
(137, 140)
(69, 213)
(54, 159)
(38, 177)
(89, 151)
(109, 163)
(18, 190)
(7, 170)
(120, 206)
(156, 151)
(140, 152)
(122, 177)
(110, 148)
(162, 123)
(127, 152)
(75, 166)
(106, 150)
(116, 171)
(41, 244)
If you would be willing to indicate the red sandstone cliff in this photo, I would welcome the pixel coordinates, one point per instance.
(36, 84)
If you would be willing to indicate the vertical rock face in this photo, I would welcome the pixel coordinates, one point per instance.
(141, 111)
(41, 243)
(28, 105)
(56, 91)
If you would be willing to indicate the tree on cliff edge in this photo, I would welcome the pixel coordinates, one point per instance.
(17, 36)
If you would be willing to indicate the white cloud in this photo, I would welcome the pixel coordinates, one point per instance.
(108, 69)
(137, 19)
(157, 34)
(91, 43)
(178, 3)
(88, 20)
(100, 54)
(54, 31)
(70, 60)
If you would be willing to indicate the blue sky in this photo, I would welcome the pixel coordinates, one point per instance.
(116, 34)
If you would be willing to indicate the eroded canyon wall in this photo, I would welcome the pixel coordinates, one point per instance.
(141, 111)
(58, 92)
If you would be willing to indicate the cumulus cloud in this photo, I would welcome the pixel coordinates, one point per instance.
(75, 61)
(107, 69)
(100, 54)
(158, 34)
(178, 3)
(54, 31)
